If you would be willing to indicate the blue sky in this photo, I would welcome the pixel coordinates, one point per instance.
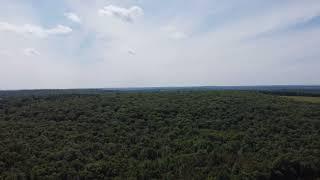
(134, 43)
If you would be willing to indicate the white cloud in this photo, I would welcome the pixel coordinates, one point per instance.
(124, 14)
(31, 52)
(34, 30)
(73, 17)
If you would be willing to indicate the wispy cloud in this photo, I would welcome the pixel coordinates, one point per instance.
(38, 31)
(174, 33)
(31, 52)
(270, 21)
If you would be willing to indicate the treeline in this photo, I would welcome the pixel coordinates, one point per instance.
(171, 135)
(51, 92)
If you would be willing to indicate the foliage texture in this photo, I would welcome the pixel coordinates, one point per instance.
(168, 135)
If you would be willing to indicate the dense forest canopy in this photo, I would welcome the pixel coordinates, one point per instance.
(159, 135)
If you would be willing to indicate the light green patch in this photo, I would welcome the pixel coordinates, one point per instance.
(304, 99)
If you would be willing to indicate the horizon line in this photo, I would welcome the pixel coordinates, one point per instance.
(158, 87)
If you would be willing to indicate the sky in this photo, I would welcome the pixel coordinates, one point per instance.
(47, 44)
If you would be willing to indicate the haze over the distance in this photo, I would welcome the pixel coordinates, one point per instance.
(139, 43)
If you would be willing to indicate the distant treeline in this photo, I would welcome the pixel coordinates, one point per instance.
(49, 92)
(275, 90)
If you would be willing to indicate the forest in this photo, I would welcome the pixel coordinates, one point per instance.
(158, 135)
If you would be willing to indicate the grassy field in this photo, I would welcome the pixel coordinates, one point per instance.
(304, 99)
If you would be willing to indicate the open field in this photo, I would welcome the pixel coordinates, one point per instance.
(304, 99)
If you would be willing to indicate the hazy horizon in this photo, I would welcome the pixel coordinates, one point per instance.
(74, 44)
(164, 87)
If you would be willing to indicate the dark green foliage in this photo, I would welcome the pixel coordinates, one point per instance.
(173, 135)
